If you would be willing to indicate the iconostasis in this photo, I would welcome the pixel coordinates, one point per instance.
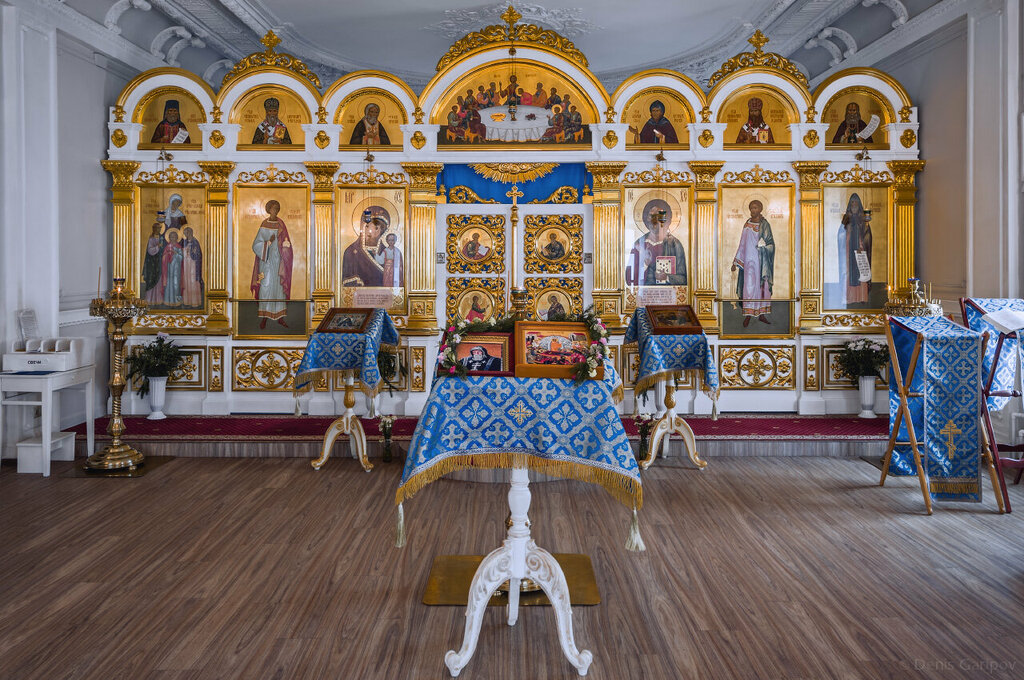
(782, 213)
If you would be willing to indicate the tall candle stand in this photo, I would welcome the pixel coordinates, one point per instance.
(118, 308)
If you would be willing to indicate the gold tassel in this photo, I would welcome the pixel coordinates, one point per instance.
(633, 542)
(400, 528)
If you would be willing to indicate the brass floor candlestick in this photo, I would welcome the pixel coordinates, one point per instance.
(119, 307)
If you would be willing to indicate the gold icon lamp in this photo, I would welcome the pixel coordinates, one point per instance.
(118, 308)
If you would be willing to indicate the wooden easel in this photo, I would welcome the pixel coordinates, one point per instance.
(987, 430)
(903, 414)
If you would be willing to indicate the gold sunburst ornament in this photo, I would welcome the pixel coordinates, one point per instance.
(512, 172)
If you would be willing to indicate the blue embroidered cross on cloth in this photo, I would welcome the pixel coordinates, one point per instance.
(945, 406)
(663, 355)
(327, 352)
(547, 425)
(1013, 349)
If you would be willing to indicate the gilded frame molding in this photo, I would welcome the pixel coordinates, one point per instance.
(535, 287)
(493, 288)
(457, 227)
(274, 179)
(768, 178)
(571, 227)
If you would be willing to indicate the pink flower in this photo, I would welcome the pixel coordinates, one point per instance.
(451, 329)
(451, 370)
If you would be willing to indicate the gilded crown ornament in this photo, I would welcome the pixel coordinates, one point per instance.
(514, 33)
(758, 59)
(269, 59)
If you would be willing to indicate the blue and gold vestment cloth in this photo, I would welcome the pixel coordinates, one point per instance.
(326, 352)
(1013, 351)
(663, 355)
(945, 406)
(548, 425)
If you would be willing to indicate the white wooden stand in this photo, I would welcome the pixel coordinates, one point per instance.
(348, 423)
(672, 423)
(518, 558)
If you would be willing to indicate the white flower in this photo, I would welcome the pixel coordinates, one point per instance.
(592, 373)
(493, 321)
(162, 336)
(456, 339)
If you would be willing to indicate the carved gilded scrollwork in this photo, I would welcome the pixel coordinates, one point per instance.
(189, 373)
(418, 369)
(423, 176)
(172, 175)
(119, 114)
(811, 381)
(706, 139)
(657, 175)
(119, 138)
(270, 58)
(372, 176)
(908, 138)
(218, 173)
(491, 231)
(761, 368)
(121, 173)
(217, 139)
(463, 194)
(176, 322)
(418, 140)
(857, 175)
(758, 59)
(905, 114)
(539, 290)
(606, 174)
(322, 139)
(216, 368)
(323, 174)
(904, 171)
(273, 174)
(610, 139)
(756, 175)
(853, 320)
(810, 174)
(810, 114)
(835, 378)
(705, 173)
(564, 194)
(811, 139)
(270, 369)
(492, 290)
(568, 231)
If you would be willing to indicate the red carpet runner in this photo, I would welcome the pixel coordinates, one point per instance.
(312, 428)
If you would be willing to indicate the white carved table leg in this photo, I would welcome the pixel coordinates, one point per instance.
(348, 424)
(518, 558)
(672, 423)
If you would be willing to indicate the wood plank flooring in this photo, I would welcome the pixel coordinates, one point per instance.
(769, 568)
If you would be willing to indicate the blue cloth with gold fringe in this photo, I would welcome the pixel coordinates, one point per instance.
(327, 352)
(945, 406)
(663, 355)
(548, 425)
(1013, 349)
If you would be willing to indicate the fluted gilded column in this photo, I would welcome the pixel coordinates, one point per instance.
(811, 230)
(323, 250)
(905, 201)
(421, 275)
(217, 253)
(122, 197)
(705, 200)
(608, 237)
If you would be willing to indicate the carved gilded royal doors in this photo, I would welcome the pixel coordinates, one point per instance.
(549, 245)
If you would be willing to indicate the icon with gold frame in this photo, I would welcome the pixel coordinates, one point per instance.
(551, 350)
(173, 262)
(271, 261)
(485, 354)
(673, 320)
(554, 244)
(475, 244)
(762, 307)
(345, 320)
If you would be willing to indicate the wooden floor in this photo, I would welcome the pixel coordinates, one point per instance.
(263, 568)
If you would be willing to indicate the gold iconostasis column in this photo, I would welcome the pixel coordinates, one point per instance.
(323, 221)
(811, 230)
(217, 256)
(421, 276)
(904, 202)
(705, 200)
(608, 256)
(122, 197)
